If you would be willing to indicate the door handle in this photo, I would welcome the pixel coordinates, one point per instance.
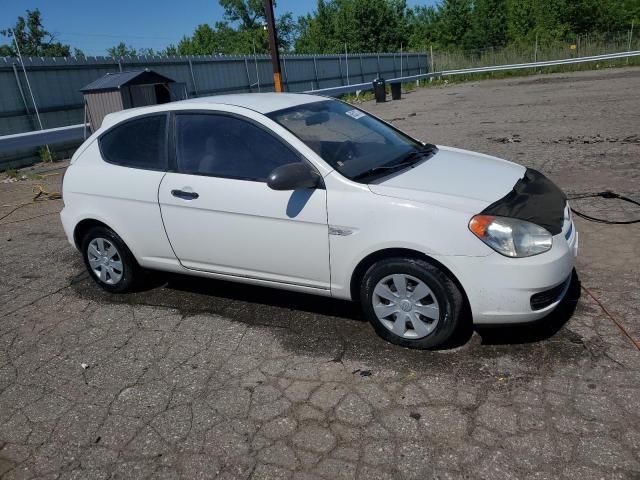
(184, 195)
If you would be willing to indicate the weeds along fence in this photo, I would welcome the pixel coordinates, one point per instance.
(56, 82)
(572, 47)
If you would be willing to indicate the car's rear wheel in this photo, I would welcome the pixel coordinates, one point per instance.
(109, 261)
(411, 302)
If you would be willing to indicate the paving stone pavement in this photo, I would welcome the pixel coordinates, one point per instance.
(202, 379)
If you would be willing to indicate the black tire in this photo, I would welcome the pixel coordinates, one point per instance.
(445, 291)
(131, 272)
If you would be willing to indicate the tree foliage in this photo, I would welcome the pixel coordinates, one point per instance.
(33, 39)
(241, 32)
(122, 50)
(386, 25)
(369, 26)
(360, 25)
(250, 13)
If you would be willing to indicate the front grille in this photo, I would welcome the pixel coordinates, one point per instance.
(544, 299)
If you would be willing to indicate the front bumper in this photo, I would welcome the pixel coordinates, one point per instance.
(500, 289)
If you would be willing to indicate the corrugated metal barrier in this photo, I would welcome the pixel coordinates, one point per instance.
(56, 82)
(321, 74)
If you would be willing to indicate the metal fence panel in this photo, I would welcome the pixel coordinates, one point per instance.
(12, 146)
(56, 82)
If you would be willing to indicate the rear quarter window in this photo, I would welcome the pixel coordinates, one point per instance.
(137, 143)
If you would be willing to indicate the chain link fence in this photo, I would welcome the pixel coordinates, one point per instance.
(541, 51)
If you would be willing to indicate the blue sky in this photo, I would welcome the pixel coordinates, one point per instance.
(95, 25)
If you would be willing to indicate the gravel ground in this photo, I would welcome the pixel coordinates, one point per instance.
(204, 379)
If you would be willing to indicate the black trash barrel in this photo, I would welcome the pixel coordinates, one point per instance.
(378, 90)
(396, 91)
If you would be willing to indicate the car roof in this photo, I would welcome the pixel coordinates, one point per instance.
(260, 102)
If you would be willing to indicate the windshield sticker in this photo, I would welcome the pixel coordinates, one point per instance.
(355, 114)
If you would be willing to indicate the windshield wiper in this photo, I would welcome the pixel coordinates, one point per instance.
(414, 155)
(410, 158)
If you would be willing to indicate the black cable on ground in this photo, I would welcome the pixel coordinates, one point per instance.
(609, 195)
(618, 324)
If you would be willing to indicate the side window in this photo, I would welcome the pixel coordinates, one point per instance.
(138, 143)
(226, 146)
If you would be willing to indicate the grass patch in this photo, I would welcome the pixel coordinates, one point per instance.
(11, 173)
(435, 82)
(525, 72)
(45, 154)
(363, 96)
(409, 87)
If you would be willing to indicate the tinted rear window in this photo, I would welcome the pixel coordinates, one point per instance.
(138, 143)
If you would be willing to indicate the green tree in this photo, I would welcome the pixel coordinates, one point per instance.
(33, 39)
(316, 32)
(221, 39)
(170, 51)
(456, 21)
(147, 52)
(369, 26)
(489, 24)
(363, 25)
(528, 19)
(599, 16)
(241, 32)
(287, 31)
(520, 19)
(122, 50)
(424, 28)
(250, 13)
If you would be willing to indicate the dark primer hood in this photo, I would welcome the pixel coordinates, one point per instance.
(534, 198)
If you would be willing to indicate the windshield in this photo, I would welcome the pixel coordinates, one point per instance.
(353, 142)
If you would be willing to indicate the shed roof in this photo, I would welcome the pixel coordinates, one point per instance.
(113, 81)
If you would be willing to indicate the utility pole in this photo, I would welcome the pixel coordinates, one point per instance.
(273, 45)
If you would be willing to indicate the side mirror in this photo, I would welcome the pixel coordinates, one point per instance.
(293, 176)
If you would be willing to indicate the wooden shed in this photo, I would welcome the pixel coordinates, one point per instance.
(122, 90)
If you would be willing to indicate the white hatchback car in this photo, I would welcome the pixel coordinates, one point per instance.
(306, 193)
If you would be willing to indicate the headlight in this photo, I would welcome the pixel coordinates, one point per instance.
(511, 237)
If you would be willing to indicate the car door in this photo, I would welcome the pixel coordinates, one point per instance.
(220, 215)
(116, 181)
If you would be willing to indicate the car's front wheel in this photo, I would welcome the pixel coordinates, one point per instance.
(411, 302)
(109, 261)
